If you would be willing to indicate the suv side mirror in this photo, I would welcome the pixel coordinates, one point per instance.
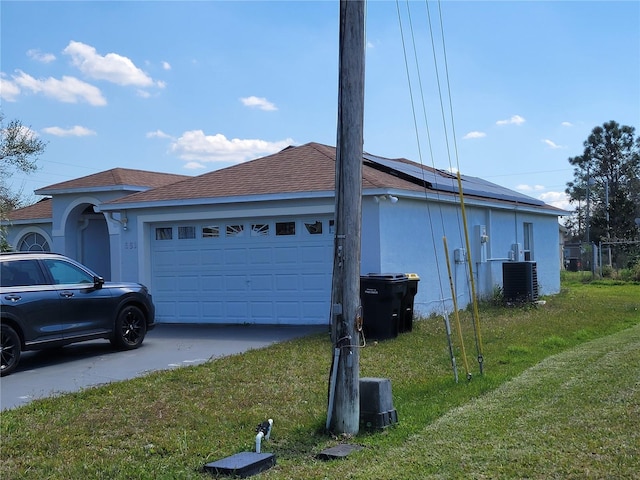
(98, 282)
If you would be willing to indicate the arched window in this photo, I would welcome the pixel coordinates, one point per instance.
(34, 242)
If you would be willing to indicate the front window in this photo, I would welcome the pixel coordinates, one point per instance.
(528, 242)
(33, 242)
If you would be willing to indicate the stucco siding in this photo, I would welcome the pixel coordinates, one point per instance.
(411, 241)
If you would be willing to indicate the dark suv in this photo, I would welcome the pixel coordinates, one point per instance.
(49, 300)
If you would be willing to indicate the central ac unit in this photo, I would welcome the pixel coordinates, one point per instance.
(520, 281)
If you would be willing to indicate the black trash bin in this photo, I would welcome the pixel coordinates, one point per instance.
(381, 295)
(406, 322)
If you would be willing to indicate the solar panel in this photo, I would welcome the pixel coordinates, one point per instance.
(446, 182)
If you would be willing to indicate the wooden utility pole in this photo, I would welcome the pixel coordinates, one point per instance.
(346, 316)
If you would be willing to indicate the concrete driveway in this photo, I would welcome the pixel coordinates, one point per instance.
(74, 367)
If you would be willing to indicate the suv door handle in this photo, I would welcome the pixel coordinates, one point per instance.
(12, 298)
(66, 294)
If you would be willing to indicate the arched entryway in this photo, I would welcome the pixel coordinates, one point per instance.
(86, 238)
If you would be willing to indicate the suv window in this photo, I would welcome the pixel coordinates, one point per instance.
(64, 273)
(19, 273)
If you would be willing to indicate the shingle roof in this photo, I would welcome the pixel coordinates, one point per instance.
(115, 177)
(301, 169)
(306, 168)
(41, 209)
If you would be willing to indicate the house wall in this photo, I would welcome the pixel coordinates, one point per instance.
(370, 236)
(411, 241)
(18, 230)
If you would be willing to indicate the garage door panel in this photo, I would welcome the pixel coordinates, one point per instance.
(315, 282)
(211, 257)
(165, 310)
(213, 312)
(189, 310)
(235, 256)
(266, 278)
(164, 284)
(261, 283)
(286, 283)
(261, 312)
(314, 254)
(190, 258)
(315, 312)
(285, 255)
(237, 312)
(260, 256)
(163, 258)
(235, 283)
(212, 283)
(188, 283)
(287, 312)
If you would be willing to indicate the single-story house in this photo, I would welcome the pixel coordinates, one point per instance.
(253, 243)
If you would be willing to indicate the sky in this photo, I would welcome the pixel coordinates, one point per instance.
(505, 90)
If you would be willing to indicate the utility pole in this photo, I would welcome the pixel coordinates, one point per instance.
(346, 312)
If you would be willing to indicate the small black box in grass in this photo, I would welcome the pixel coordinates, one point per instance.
(339, 451)
(376, 403)
(242, 465)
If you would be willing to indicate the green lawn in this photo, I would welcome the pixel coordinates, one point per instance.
(559, 398)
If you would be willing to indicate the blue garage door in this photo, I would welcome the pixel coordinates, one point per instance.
(268, 271)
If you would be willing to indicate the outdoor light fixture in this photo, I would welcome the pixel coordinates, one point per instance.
(391, 198)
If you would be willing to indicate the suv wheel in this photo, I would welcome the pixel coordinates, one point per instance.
(9, 350)
(131, 327)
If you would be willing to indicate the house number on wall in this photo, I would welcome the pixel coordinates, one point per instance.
(130, 245)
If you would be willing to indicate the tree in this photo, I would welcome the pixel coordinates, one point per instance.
(19, 151)
(606, 185)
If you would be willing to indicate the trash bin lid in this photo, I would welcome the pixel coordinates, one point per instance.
(390, 277)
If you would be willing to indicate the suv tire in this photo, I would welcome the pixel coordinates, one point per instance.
(9, 350)
(130, 329)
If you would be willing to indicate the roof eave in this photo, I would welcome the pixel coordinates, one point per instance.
(26, 221)
(194, 202)
(108, 188)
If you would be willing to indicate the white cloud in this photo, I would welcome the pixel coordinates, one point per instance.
(195, 166)
(158, 134)
(75, 131)
(68, 90)
(551, 144)
(530, 188)
(557, 199)
(567, 124)
(474, 134)
(37, 55)
(110, 67)
(9, 91)
(258, 102)
(514, 120)
(194, 145)
(166, 65)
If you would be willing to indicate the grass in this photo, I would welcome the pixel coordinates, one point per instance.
(559, 398)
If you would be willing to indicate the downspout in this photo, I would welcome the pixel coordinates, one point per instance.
(80, 244)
